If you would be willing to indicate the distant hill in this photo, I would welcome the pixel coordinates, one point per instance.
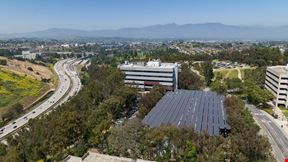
(186, 31)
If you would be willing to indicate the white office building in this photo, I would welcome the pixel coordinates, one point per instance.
(277, 83)
(28, 55)
(145, 76)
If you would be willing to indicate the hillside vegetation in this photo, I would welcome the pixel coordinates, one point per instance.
(37, 71)
(15, 88)
(21, 84)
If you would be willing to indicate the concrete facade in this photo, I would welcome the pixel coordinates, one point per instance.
(276, 82)
(29, 55)
(145, 76)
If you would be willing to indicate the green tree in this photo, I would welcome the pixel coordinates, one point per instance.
(99, 132)
(234, 83)
(125, 139)
(219, 87)
(190, 152)
(13, 111)
(208, 72)
(149, 100)
(188, 79)
(245, 142)
(256, 94)
(255, 75)
(3, 150)
(13, 155)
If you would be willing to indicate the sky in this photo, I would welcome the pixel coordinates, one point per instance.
(17, 16)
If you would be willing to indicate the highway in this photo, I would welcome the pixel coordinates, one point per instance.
(69, 85)
(277, 137)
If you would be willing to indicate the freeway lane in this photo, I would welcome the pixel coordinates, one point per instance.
(69, 85)
(277, 137)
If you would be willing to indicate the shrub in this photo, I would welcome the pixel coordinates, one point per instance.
(30, 68)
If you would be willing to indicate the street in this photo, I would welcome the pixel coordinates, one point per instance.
(277, 137)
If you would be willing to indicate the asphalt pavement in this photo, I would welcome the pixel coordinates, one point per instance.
(277, 136)
(69, 85)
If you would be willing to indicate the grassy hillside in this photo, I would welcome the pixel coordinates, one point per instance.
(15, 88)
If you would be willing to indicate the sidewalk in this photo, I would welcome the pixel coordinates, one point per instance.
(282, 120)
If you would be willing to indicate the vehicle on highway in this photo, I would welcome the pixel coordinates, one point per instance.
(50, 103)
(275, 115)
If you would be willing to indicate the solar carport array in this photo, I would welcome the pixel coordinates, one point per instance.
(203, 111)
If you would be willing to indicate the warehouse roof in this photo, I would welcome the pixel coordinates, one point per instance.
(204, 111)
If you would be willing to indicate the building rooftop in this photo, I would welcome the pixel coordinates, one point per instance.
(203, 111)
(151, 64)
(280, 70)
(96, 157)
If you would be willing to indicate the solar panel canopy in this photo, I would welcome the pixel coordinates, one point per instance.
(203, 111)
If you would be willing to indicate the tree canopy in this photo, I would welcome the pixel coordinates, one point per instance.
(188, 79)
(208, 72)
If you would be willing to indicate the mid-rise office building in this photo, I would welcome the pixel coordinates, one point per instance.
(145, 76)
(29, 55)
(277, 83)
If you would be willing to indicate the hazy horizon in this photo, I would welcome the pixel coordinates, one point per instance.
(126, 27)
(31, 15)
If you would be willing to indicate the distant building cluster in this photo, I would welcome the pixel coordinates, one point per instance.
(276, 82)
(228, 65)
(188, 49)
(145, 76)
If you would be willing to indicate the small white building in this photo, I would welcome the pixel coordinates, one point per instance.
(276, 82)
(65, 45)
(29, 55)
(63, 53)
(145, 76)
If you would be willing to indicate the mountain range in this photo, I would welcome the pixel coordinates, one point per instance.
(187, 31)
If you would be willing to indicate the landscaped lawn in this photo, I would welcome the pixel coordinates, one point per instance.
(268, 110)
(284, 111)
(221, 73)
(232, 74)
(227, 73)
(243, 72)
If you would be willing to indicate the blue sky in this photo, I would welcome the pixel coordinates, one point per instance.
(32, 15)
